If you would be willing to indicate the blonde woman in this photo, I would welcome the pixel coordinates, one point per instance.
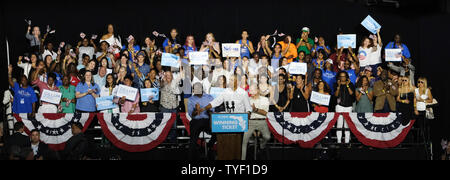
(211, 46)
(423, 95)
(406, 99)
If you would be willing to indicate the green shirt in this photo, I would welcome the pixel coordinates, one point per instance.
(69, 94)
(305, 48)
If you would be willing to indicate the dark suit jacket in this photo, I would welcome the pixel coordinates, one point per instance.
(42, 150)
(18, 140)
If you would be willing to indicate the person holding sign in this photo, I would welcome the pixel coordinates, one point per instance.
(364, 96)
(369, 52)
(127, 106)
(246, 45)
(50, 85)
(68, 99)
(109, 89)
(324, 89)
(150, 105)
(24, 97)
(397, 44)
(86, 92)
(345, 94)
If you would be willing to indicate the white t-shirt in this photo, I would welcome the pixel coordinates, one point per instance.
(260, 103)
(369, 57)
(238, 98)
(85, 50)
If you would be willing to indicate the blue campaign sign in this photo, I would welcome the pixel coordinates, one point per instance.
(370, 24)
(149, 92)
(346, 40)
(229, 123)
(105, 102)
(171, 60)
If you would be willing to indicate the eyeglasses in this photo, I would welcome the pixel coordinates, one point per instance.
(404, 80)
(420, 82)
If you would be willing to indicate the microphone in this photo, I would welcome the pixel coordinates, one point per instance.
(232, 105)
(227, 107)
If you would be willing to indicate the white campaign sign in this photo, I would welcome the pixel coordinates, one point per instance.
(321, 99)
(52, 97)
(231, 50)
(129, 92)
(297, 68)
(346, 40)
(198, 58)
(393, 55)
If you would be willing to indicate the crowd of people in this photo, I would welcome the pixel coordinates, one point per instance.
(259, 81)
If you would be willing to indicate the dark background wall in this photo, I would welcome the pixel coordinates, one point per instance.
(424, 26)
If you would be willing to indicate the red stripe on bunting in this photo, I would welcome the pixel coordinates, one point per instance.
(381, 114)
(53, 116)
(375, 143)
(135, 148)
(186, 122)
(301, 115)
(136, 117)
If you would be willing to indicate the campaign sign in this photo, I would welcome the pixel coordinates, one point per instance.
(129, 92)
(297, 68)
(393, 55)
(171, 60)
(105, 102)
(321, 99)
(370, 24)
(149, 92)
(52, 97)
(229, 123)
(231, 50)
(216, 92)
(198, 58)
(346, 40)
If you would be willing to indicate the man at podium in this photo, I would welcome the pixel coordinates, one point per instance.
(236, 100)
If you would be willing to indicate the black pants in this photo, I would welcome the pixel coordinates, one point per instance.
(196, 127)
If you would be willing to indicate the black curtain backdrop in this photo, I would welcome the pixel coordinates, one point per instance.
(424, 32)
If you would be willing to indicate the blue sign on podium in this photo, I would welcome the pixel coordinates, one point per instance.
(229, 123)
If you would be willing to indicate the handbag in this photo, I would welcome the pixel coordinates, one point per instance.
(429, 114)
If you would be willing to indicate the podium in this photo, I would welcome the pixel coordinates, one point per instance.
(229, 129)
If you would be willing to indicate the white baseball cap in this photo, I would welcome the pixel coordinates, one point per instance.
(305, 29)
(330, 61)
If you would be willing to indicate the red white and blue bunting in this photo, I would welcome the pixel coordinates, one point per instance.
(186, 119)
(136, 132)
(306, 129)
(55, 128)
(378, 130)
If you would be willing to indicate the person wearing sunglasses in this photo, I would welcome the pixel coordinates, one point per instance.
(423, 97)
(405, 99)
